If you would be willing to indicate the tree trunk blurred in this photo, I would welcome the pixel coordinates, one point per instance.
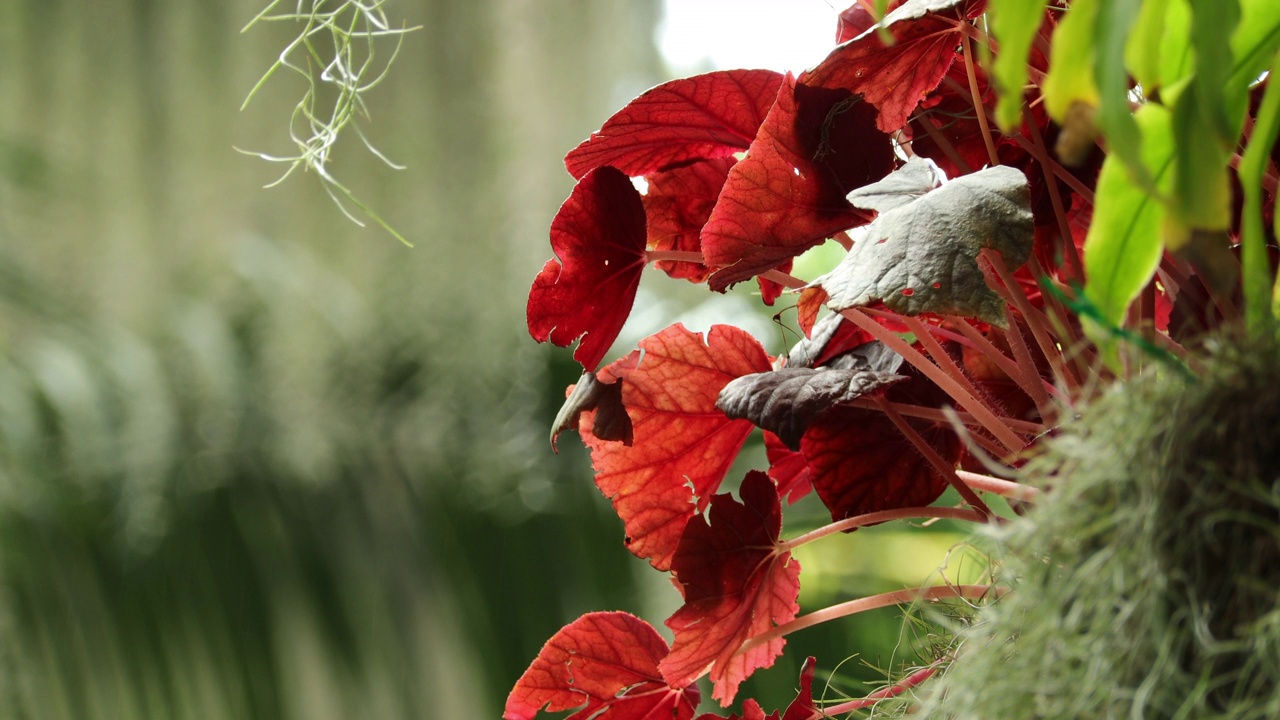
(256, 461)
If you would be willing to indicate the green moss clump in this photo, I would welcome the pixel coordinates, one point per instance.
(1147, 584)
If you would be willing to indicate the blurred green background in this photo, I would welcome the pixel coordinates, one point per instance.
(258, 462)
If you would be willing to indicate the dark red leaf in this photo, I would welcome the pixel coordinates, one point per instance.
(678, 204)
(683, 445)
(861, 463)
(737, 584)
(788, 194)
(896, 77)
(802, 708)
(598, 237)
(751, 710)
(946, 130)
(787, 400)
(604, 665)
(853, 22)
(788, 468)
(698, 118)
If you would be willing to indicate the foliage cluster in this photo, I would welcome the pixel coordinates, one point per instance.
(1019, 233)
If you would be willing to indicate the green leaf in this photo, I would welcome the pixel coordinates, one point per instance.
(1201, 186)
(1142, 51)
(1214, 23)
(1255, 265)
(1177, 61)
(1070, 77)
(1255, 41)
(1115, 119)
(1124, 244)
(920, 255)
(1014, 24)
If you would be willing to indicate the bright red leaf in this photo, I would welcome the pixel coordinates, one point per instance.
(895, 78)
(587, 290)
(683, 445)
(861, 463)
(698, 118)
(788, 194)
(736, 584)
(604, 665)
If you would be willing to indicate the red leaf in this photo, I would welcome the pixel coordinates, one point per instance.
(955, 143)
(861, 463)
(802, 708)
(699, 118)
(853, 22)
(788, 194)
(598, 236)
(678, 204)
(736, 585)
(605, 665)
(788, 469)
(896, 77)
(683, 445)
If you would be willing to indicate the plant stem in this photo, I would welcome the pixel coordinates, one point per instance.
(981, 412)
(996, 486)
(976, 97)
(676, 255)
(853, 607)
(941, 466)
(937, 416)
(903, 685)
(1023, 370)
(882, 516)
(1035, 319)
(1069, 250)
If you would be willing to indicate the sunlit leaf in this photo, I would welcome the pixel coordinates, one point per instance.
(587, 290)
(698, 118)
(604, 665)
(895, 77)
(683, 445)
(788, 194)
(1124, 246)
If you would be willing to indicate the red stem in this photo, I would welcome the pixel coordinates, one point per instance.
(853, 607)
(1069, 250)
(903, 685)
(1023, 370)
(677, 255)
(996, 486)
(981, 412)
(941, 466)
(857, 521)
(1035, 319)
(935, 415)
(976, 97)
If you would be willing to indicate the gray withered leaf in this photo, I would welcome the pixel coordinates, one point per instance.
(786, 401)
(611, 419)
(920, 256)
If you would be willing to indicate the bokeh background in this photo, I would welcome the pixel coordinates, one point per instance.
(259, 462)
